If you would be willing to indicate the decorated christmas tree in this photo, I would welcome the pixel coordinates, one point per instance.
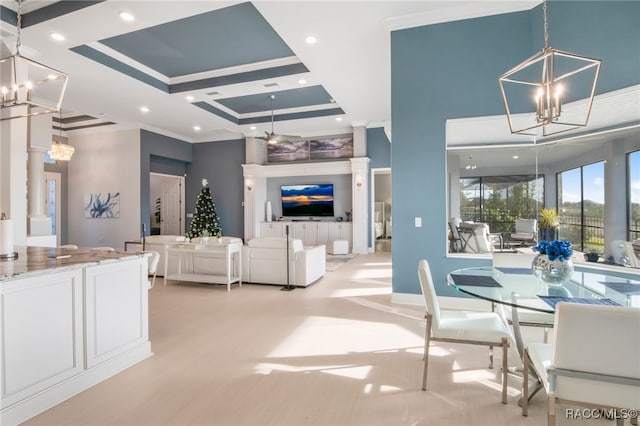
(206, 222)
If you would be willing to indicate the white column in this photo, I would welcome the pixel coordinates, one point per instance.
(39, 143)
(255, 198)
(13, 175)
(360, 191)
(615, 194)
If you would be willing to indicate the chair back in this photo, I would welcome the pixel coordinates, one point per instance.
(454, 222)
(527, 226)
(597, 339)
(103, 249)
(429, 292)
(154, 259)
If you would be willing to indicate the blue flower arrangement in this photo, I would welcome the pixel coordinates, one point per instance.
(556, 249)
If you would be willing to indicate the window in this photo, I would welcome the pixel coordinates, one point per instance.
(499, 200)
(581, 201)
(633, 183)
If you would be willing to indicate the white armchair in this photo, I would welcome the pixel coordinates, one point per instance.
(264, 260)
(593, 361)
(526, 231)
(476, 238)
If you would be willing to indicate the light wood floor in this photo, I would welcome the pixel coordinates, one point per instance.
(336, 353)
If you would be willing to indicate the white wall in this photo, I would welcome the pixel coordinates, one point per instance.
(105, 162)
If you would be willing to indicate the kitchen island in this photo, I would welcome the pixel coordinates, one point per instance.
(69, 319)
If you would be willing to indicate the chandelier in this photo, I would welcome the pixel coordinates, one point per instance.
(550, 92)
(28, 87)
(59, 150)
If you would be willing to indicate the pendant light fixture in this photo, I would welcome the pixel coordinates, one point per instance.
(550, 92)
(59, 150)
(28, 87)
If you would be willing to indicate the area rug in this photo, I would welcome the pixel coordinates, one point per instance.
(335, 261)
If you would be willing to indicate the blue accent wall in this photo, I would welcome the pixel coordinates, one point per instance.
(378, 148)
(450, 70)
(220, 163)
(161, 154)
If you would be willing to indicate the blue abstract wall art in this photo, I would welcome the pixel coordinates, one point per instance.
(102, 205)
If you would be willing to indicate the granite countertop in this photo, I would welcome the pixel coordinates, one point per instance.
(38, 260)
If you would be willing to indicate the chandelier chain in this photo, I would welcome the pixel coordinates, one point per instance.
(546, 24)
(18, 26)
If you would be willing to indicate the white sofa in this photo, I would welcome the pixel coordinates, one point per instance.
(264, 260)
(160, 243)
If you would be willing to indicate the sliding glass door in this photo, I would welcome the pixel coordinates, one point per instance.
(581, 206)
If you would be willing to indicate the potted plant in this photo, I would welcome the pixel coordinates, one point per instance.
(591, 255)
(548, 224)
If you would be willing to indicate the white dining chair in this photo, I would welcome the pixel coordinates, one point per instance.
(476, 328)
(593, 361)
(152, 262)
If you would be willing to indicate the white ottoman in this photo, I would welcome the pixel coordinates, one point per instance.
(338, 247)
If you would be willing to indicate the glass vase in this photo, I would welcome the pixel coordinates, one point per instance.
(552, 272)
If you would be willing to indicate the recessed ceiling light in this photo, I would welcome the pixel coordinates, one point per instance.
(189, 98)
(338, 118)
(311, 39)
(196, 128)
(252, 127)
(127, 16)
(57, 36)
(515, 157)
(302, 81)
(144, 109)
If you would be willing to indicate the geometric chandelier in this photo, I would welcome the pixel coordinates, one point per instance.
(28, 87)
(551, 92)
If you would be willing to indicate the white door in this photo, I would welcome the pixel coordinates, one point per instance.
(52, 202)
(171, 202)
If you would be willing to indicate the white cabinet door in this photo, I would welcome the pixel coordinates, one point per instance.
(307, 232)
(323, 232)
(272, 229)
(42, 333)
(117, 310)
(340, 231)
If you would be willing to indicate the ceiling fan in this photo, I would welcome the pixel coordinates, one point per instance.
(273, 138)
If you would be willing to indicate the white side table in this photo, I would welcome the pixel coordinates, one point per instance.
(197, 263)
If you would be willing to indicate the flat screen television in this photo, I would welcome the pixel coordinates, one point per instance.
(307, 200)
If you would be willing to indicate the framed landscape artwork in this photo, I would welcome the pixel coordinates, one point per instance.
(311, 149)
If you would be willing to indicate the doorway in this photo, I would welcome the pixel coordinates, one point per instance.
(166, 201)
(52, 202)
(381, 200)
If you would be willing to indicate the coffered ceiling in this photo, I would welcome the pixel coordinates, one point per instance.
(205, 70)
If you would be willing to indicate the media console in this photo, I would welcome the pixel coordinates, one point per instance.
(311, 233)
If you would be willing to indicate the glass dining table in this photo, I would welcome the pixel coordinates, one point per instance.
(519, 288)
